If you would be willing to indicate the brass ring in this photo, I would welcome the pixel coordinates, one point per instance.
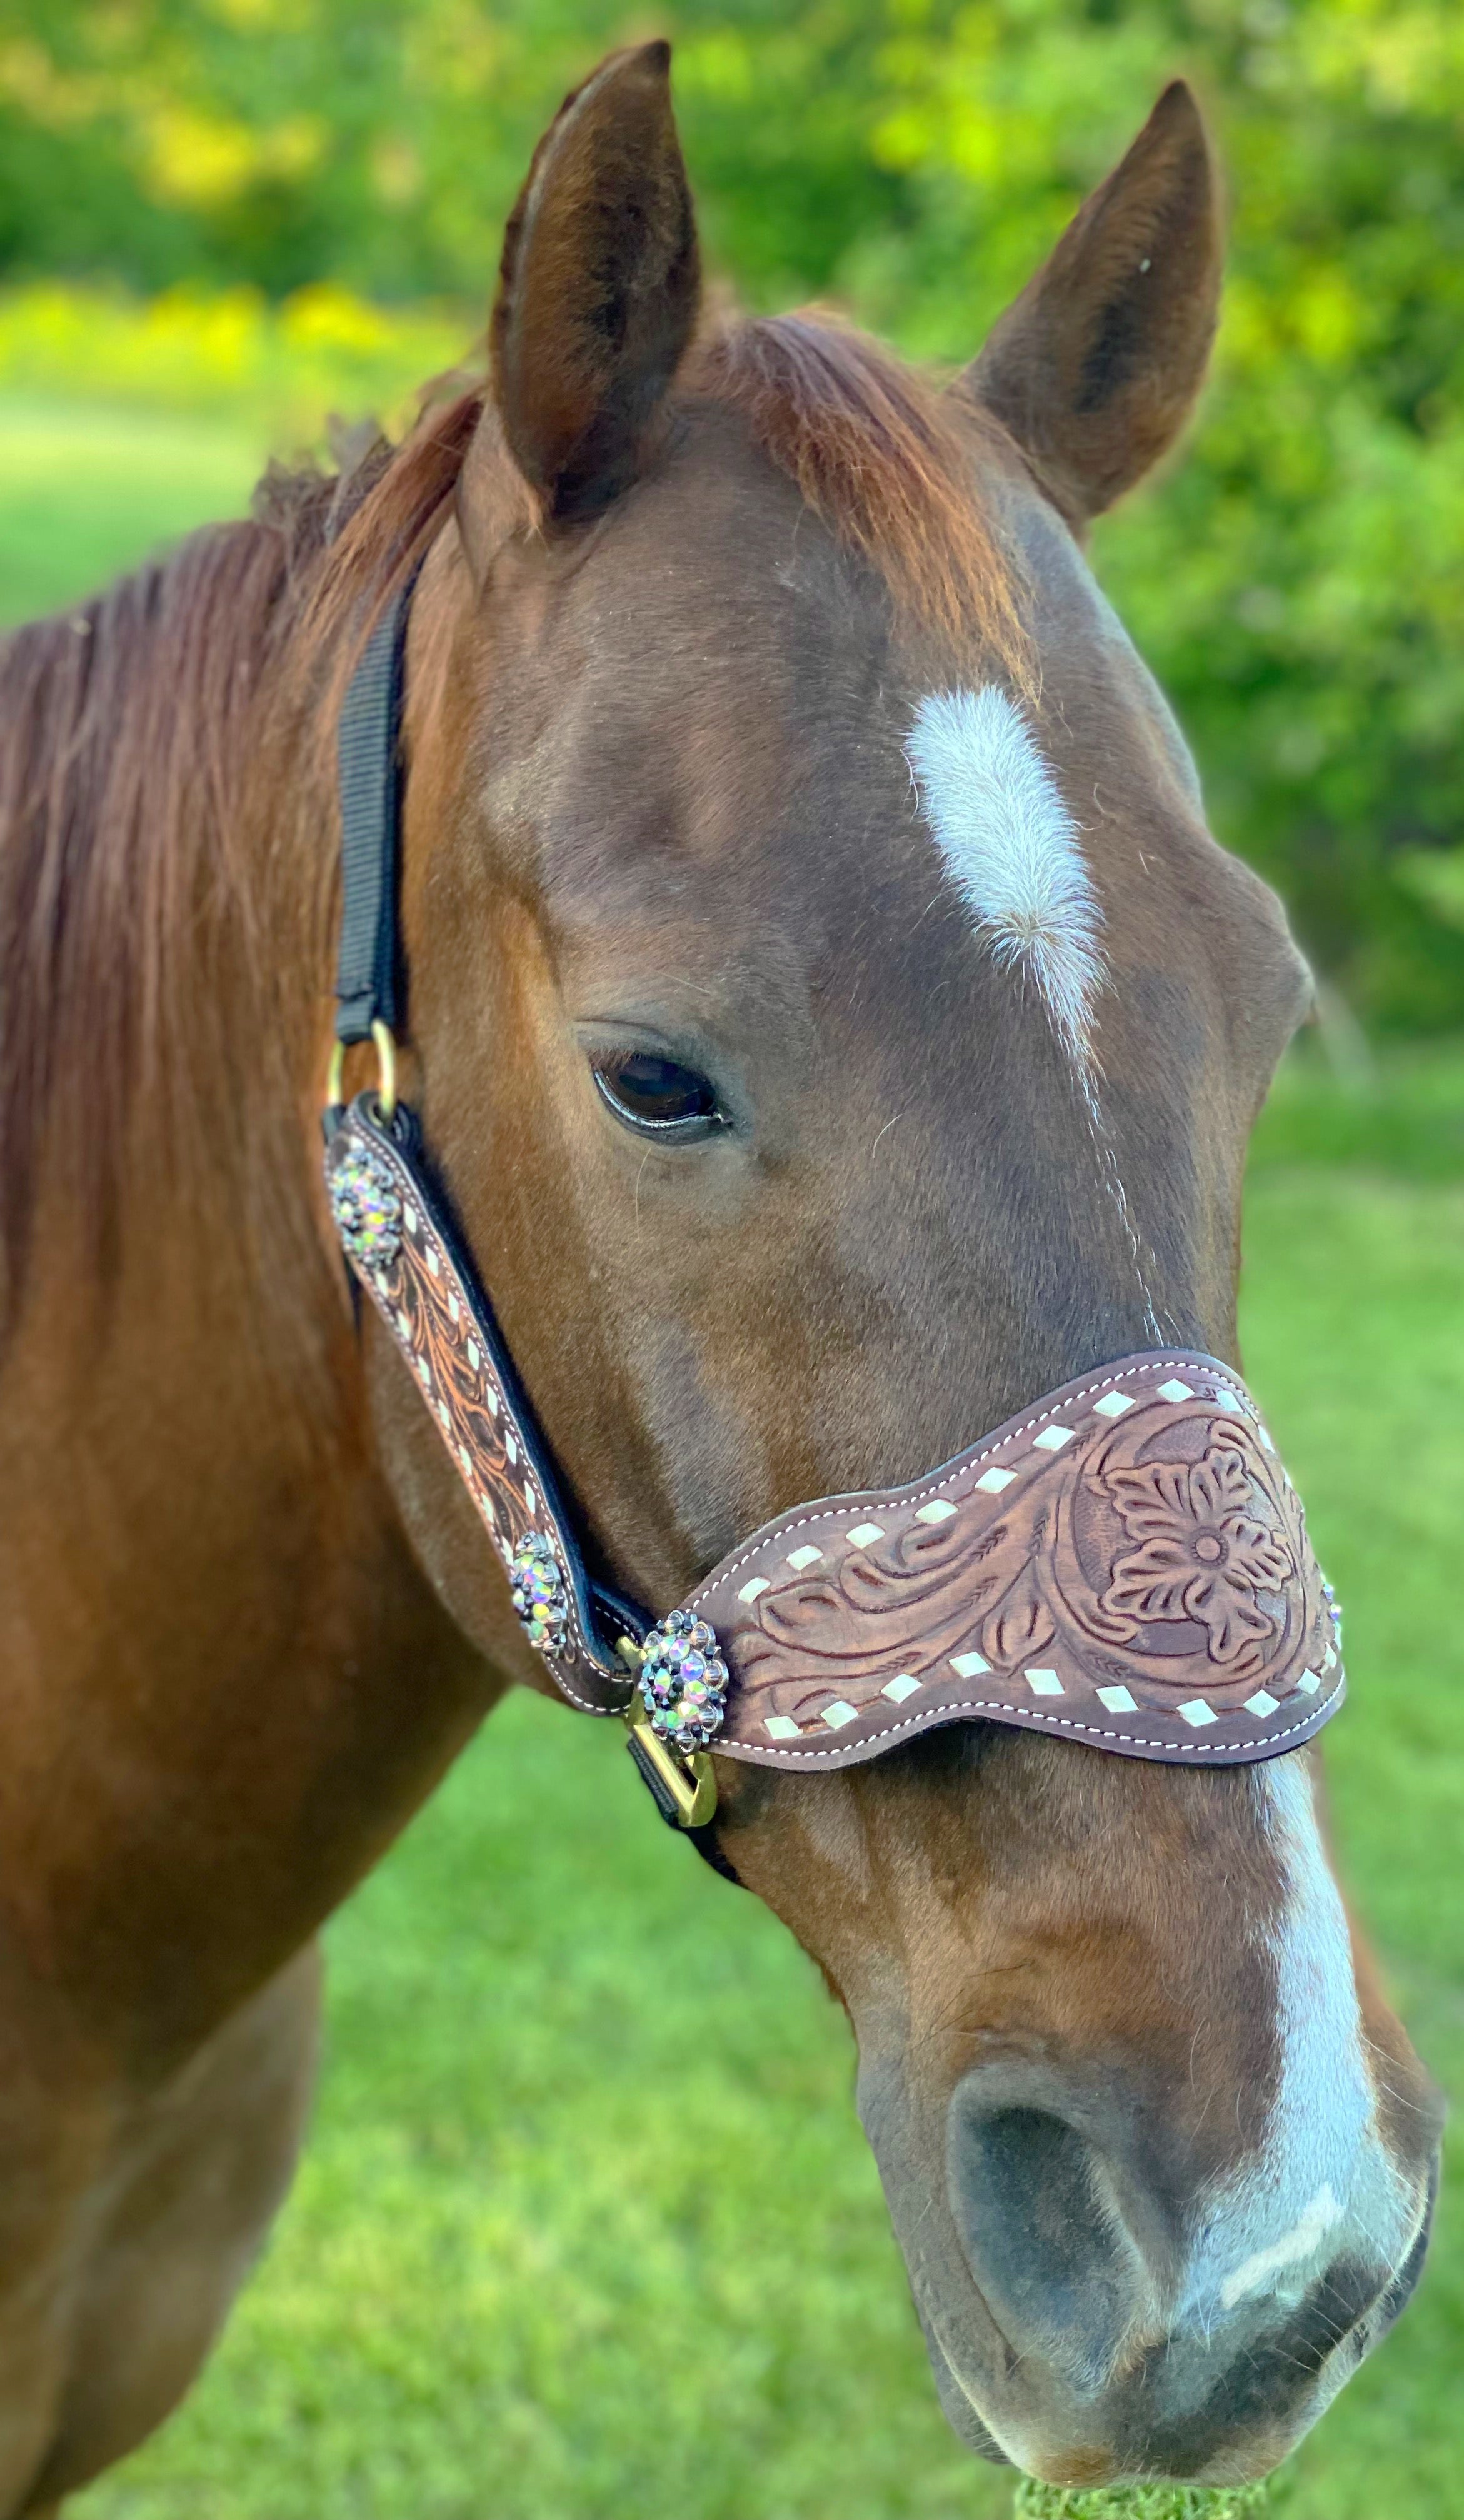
(386, 1072)
(385, 1043)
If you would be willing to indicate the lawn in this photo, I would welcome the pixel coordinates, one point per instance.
(587, 2229)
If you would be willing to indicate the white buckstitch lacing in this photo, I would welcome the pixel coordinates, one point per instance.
(931, 1715)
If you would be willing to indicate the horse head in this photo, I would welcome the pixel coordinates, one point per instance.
(835, 1026)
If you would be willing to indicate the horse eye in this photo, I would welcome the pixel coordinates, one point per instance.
(658, 1096)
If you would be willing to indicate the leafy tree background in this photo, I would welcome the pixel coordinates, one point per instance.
(1297, 579)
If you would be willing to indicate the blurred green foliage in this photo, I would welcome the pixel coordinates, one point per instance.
(1298, 583)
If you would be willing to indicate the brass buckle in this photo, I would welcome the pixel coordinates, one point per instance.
(385, 1042)
(683, 1788)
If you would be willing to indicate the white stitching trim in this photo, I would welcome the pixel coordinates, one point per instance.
(1035, 1715)
(914, 1495)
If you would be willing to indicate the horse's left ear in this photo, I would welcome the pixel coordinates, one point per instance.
(1094, 367)
(598, 288)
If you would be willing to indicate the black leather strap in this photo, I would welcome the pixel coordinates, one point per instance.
(369, 758)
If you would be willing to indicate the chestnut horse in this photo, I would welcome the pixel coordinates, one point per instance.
(1159, 2155)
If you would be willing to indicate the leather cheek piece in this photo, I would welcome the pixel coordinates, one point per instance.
(399, 1239)
(1126, 1564)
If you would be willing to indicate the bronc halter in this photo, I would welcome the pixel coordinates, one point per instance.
(1125, 1563)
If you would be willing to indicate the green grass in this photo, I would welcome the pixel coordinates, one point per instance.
(587, 2229)
(1151, 2503)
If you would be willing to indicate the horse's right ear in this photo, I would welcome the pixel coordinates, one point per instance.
(598, 289)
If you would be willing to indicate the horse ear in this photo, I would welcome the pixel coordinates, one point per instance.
(1094, 367)
(598, 288)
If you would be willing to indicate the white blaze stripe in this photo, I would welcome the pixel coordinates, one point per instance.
(1012, 849)
(1320, 2179)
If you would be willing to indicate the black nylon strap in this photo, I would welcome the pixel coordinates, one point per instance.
(368, 752)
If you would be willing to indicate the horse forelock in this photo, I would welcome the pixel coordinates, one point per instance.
(886, 457)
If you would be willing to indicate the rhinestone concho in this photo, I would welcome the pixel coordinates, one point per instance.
(541, 1596)
(683, 1681)
(368, 1207)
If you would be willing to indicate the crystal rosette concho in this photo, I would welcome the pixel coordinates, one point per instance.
(541, 1596)
(367, 1206)
(682, 1682)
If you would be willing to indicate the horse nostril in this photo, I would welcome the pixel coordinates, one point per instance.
(1046, 2239)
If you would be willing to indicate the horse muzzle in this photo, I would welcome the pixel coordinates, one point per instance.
(1052, 2287)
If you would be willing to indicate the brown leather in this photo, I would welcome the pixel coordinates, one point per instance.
(1125, 1564)
(428, 1301)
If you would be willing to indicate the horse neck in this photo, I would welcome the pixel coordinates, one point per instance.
(226, 1683)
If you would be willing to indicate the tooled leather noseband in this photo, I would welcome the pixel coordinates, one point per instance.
(1125, 1563)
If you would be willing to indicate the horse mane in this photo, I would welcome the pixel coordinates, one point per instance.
(135, 906)
(139, 904)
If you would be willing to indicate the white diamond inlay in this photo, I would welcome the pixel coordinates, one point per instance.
(531, 1502)
(864, 1534)
(1198, 1711)
(839, 1714)
(1309, 1683)
(780, 1728)
(513, 1447)
(475, 1354)
(1112, 1405)
(1053, 1438)
(939, 1510)
(902, 1685)
(1045, 1684)
(1265, 1439)
(1118, 1701)
(433, 1263)
(1263, 1703)
(750, 1592)
(454, 1309)
(968, 1665)
(1225, 1398)
(1329, 1657)
(409, 1217)
(798, 1559)
(993, 1481)
(1175, 1391)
